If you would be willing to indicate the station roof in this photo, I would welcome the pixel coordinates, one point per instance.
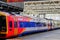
(9, 8)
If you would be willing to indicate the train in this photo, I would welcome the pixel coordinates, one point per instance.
(13, 25)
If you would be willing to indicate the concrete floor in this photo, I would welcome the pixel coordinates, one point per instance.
(51, 35)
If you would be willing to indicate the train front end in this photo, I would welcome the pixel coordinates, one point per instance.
(3, 26)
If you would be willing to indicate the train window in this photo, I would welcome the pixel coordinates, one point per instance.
(15, 24)
(3, 23)
(10, 24)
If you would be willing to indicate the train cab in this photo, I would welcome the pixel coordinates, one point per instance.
(10, 25)
(3, 25)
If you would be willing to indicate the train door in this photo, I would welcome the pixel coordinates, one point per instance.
(48, 24)
(20, 29)
(15, 27)
(3, 26)
(10, 26)
(52, 24)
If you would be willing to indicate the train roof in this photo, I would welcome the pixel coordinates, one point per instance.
(4, 13)
(15, 15)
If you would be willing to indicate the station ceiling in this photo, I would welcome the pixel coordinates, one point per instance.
(21, 4)
(17, 4)
(34, 0)
(41, 0)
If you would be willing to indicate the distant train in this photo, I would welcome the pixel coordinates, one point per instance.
(13, 25)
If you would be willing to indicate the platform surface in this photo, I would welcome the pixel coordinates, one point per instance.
(50, 35)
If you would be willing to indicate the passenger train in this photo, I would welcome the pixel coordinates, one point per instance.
(13, 25)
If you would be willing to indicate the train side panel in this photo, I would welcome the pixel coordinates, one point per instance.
(19, 19)
(10, 26)
(32, 27)
(15, 26)
(22, 19)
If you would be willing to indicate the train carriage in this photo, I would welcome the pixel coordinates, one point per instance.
(13, 25)
(9, 25)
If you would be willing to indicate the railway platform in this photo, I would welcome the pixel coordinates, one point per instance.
(50, 35)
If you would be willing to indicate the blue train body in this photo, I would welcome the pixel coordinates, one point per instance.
(31, 24)
(32, 27)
